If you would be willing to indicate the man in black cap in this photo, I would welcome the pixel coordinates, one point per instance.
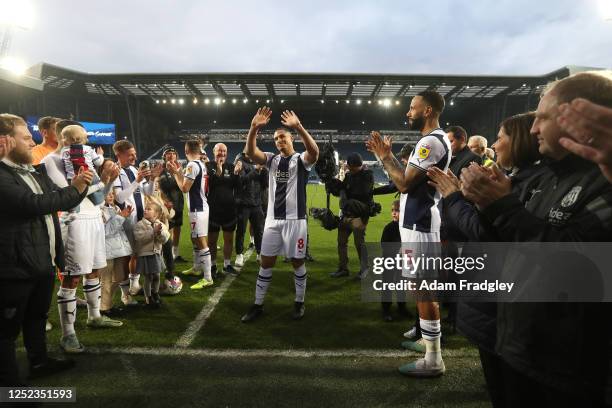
(355, 203)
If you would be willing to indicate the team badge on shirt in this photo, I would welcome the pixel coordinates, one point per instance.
(188, 171)
(571, 197)
(424, 151)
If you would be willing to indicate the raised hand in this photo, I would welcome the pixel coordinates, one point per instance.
(589, 127)
(378, 145)
(126, 211)
(173, 167)
(83, 179)
(290, 119)
(261, 118)
(7, 144)
(156, 170)
(484, 186)
(142, 174)
(110, 173)
(446, 183)
(100, 151)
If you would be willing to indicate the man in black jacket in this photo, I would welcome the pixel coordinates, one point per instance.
(30, 250)
(553, 354)
(355, 201)
(462, 155)
(253, 180)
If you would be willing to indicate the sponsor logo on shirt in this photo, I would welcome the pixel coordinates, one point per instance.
(424, 151)
(282, 176)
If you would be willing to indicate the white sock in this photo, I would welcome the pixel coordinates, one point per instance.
(175, 251)
(134, 278)
(227, 262)
(93, 294)
(431, 332)
(196, 262)
(261, 286)
(66, 305)
(300, 277)
(125, 287)
(205, 262)
(252, 240)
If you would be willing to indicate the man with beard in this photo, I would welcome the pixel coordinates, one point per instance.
(420, 215)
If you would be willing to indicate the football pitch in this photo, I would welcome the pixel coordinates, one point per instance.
(194, 351)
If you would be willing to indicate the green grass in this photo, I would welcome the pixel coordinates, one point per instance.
(335, 319)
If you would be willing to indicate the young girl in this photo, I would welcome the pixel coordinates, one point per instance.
(118, 251)
(149, 236)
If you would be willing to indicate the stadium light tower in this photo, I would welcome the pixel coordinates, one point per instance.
(15, 14)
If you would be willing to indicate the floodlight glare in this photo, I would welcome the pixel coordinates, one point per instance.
(348, 101)
(358, 101)
(181, 101)
(452, 102)
(245, 100)
(157, 101)
(322, 100)
(13, 65)
(386, 103)
(217, 101)
(369, 102)
(397, 102)
(195, 101)
(164, 101)
(173, 101)
(267, 101)
(234, 101)
(206, 101)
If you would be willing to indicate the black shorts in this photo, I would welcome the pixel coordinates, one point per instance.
(214, 225)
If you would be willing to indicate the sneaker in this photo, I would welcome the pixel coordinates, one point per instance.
(151, 303)
(172, 287)
(156, 298)
(180, 259)
(413, 334)
(48, 326)
(239, 262)
(201, 284)
(192, 271)
(71, 345)
(362, 274)
(82, 303)
(340, 273)
(254, 312)
(418, 345)
(50, 367)
(298, 310)
(135, 288)
(230, 270)
(103, 321)
(128, 300)
(420, 368)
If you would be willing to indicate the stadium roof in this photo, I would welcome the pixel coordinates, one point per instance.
(316, 86)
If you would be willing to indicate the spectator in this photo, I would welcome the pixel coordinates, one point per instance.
(478, 145)
(540, 363)
(355, 203)
(28, 221)
(391, 235)
(490, 154)
(462, 154)
(46, 127)
(171, 190)
(253, 179)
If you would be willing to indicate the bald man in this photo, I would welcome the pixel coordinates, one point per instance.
(223, 181)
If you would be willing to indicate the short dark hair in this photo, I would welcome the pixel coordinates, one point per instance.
(194, 146)
(283, 130)
(458, 132)
(433, 99)
(523, 146)
(60, 125)
(47, 122)
(121, 146)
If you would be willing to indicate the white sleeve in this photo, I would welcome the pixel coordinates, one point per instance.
(269, 157)
(148, 188)
(65, 154)
(428, 151)
(192, 170)
(122, 194)
(96, 159)
(304, 162)
(55, 174)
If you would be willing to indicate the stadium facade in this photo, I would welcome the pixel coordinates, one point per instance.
(153, 109)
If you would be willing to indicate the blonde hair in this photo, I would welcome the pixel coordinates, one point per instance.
(74, 134)
(158, 208)
(162, 214)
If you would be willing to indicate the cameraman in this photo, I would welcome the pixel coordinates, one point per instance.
(355, 204)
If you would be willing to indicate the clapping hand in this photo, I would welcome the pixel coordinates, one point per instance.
(82, 180)
(378, 145)
(126, 211)
(484, 185)
(446, 183)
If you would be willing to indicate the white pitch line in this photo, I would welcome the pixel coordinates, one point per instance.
(237, 353)
(196, 325)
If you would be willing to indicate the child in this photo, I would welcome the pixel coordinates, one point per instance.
(391, 240)
(149, 236)
(78, 155)
(118, 251)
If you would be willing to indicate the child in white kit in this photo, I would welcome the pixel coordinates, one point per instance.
(78, 155)
(149, 236)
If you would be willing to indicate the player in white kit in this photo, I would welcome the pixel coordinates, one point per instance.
(420, 214)
(286, 228)
(194, 182)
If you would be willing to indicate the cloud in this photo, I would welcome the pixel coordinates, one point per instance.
(438, 36)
